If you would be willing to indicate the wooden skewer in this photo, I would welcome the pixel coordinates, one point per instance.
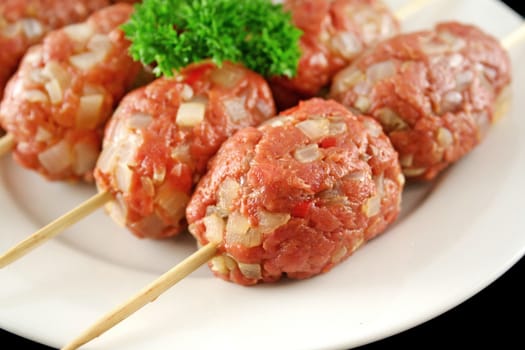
(146, 295)
(514, 37)
(7, 142)
(54, 228)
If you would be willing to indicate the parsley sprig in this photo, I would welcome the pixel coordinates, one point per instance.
(174, 33)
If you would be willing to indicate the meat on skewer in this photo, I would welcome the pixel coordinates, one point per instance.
(161, 137)
(24, 23)
(435, 92)
(297, 195)
(334, 33)
(56, 105)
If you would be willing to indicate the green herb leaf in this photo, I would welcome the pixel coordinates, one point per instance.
(174, 33)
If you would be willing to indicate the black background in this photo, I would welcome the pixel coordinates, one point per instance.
(493, 317)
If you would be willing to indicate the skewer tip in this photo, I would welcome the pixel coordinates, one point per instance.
(54, 228)
(146, 295)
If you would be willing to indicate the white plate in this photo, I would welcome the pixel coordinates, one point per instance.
(455, 237)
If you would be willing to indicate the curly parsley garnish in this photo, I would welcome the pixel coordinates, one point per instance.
(174, 33)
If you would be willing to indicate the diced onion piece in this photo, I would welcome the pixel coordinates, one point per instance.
(54, 71)
(373, 128)
(347, 78)
(88, 114)
(85, 158)
(372, 206)
(363, 88)
(455, 60)
(227, 193)
(33, 29)
(190, 114)
(265, 108)
(353, 77)
(139, 120)
(346, 44)
(54, 91)
(218, 265)
(339, 254)
(117, 209)
(223, 264)
(79, 32)
(100, 44)
(483, 121)
(308, 153)
(128, 147)
(358, 243)
(35, 96)
(42, 134)
(359, 176)
(237, 225)
(172, 201)
(370, 31)
(337, 128)
(451, 101)
(214, 228)
(434, 48)
(235, 109)
(318, 60)
(463, 79)
(277, 121)
(390, 120)
(159, 173)
(315, 129)
(334, 196)
(230, 262)
(108, 158)
(380, 184)
(56, 158)
(250, 270)
(380, 71)
(445, 137)
(411, 172)
(238, 231)
(490, 73)
(406, 160)
(32, 56)
(362, 103)
(85, 61)
(269, 222)
(123, 176)
(400, 180)
(36, 75)
(181, 152)
(227, 76)
(186, 92)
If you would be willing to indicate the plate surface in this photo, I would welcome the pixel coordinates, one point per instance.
(454, 237)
